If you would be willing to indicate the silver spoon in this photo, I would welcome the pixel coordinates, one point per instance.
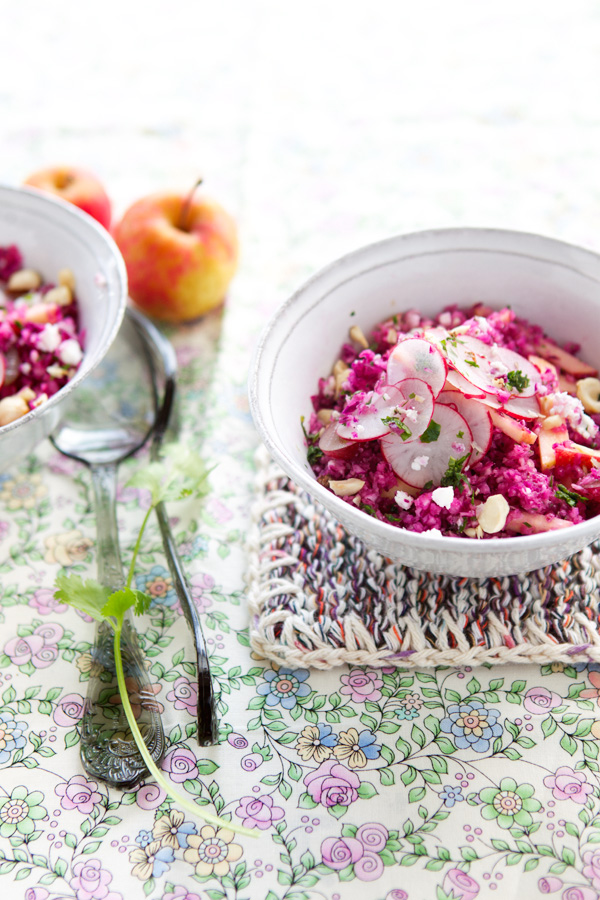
(111, 416)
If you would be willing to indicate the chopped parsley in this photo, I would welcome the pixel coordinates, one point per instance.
(397, 426)
(454, 475)
(431, 433)
(517, 381)
(570, 497)
(313, 452)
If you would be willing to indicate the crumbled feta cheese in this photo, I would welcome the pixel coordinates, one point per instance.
(49, 338)
(571, 408)
(419, 463)
(70, 353)
(411, 414)
(434, 532)
(458, 447)
(404, 500)
(443, 497)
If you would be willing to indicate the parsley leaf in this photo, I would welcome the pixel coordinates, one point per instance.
(88, 597)
(398, 426)
(517, 380)
(431, 433)
(454, 475)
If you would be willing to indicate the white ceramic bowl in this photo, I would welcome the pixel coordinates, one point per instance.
(547, 281)
(53, 235)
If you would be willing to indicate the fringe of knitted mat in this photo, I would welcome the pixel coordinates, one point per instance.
(318, 597)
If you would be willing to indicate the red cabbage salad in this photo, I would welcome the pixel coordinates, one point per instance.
(41, 346)
(472, 424)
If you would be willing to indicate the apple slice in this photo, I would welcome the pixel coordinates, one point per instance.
(512, 428)
(548, 438)
(477, 418)
(534, 523)
(417, 358)
(564, 360)
(333, 445)
(420, 462)
(404, 409)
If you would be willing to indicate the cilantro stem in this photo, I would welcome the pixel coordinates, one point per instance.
(138, 544)
(152, 767)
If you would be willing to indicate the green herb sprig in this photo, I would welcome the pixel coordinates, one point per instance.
(181, 473)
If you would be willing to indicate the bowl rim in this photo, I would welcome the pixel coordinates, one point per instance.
(73, 213)
(258, 382)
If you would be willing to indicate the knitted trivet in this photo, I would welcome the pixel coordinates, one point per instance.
(318, 597)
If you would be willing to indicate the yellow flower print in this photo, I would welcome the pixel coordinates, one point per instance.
(23, 491)
(355, 749)
(67, 548)
(211, 851)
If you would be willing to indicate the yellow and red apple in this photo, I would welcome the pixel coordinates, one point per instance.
(77, 186)
(181, 252)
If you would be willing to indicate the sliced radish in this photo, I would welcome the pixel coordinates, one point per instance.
(333, 445)
(487, 366)
(404, 409)
(417, 358)
(419, 462)
(455, 380)
(519, 407)
(477, 418)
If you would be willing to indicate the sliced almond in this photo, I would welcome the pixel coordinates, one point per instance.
(492, 514)
(12, 408)
(340, 373)
(24, 280)
(324, 416)
(66, 279)
(356, 335)
(346, 488)
(60, 295)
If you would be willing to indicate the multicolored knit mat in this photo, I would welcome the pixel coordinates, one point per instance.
(318, 597)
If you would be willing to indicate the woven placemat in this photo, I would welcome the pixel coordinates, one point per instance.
(318, 597)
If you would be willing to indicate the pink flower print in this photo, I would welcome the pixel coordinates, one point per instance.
(78, 793)
(45, 602)
(181, 893)
(180, 763)
(4, 529)
(200, 585)
(460, 885)
(373, 836)
(218, 509)
(567, 784)
(68, 710)
(538, 700)
(36, 893)
(38, 648)
(332, 784)
(591, 869)
(593, 693)
(91, 882)
(184, 695)
(150, 796)
(369, 867)
(259, 812)
(338, 853)
(361, 685)
(549, 884)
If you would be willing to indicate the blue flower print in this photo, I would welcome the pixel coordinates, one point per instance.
(284, 686)
(451, 795)
(403, 713)
(472, 725)
(158, 585)
(11, 735)
(144, 838)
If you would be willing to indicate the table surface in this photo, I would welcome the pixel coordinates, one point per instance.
(321, 127)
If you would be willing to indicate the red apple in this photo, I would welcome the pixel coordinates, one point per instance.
(77, 186)
(181, 253)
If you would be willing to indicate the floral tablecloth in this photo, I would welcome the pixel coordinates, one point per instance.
(321, 127)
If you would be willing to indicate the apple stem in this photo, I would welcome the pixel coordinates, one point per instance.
(185, 209)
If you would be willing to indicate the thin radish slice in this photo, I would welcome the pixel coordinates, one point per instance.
(421, 463)
(458, 381)
(518, 407)
(477, 418)
(404, 409)
(333, 445)
(417, 358)
(493, 369)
